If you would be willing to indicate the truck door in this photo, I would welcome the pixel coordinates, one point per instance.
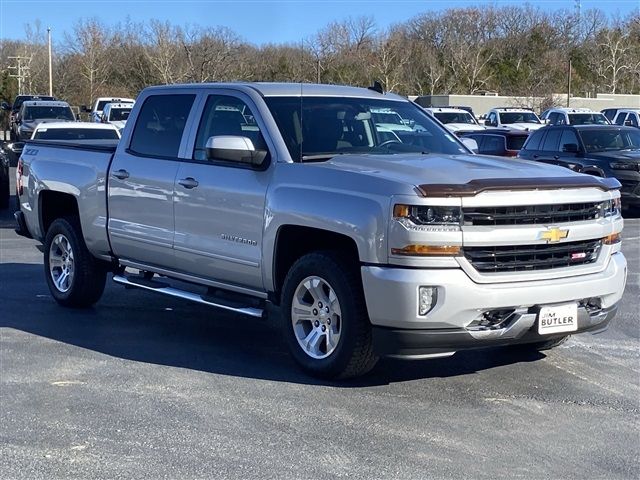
(142, 178)
(219, 205)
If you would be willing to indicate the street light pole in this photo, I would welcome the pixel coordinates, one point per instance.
(50, 74)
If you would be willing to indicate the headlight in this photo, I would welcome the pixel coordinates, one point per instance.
(626, 166)
(428, 214)
(611, 208)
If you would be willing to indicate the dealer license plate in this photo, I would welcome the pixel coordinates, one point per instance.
(558, 318)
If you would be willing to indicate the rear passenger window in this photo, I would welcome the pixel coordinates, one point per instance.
(493, 144)
(160, 124)
(534, 140)
(552, 140)
(553, 118)
(568, 136)
(620, 118)
(225, 115)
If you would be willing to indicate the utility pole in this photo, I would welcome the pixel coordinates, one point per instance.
(19, 71)
(50, 71)
(569, 83)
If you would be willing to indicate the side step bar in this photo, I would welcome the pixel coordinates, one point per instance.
(194, 297)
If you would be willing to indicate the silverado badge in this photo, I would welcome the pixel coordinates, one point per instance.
(553, 235)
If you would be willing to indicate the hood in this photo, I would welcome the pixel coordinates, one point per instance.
(619, 155)
(463, 127)
(438, 169)
(524, 126)
(38, 121)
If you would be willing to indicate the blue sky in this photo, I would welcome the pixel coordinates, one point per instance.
(256, 21)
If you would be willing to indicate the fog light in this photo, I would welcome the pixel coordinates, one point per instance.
(427, 298)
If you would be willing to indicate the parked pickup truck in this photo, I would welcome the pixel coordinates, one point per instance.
(284, 198)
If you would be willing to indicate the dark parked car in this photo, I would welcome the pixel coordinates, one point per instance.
(601, 150)
(4, 178)
(498, 141)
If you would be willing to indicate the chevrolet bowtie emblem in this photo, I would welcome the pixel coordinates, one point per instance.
(553, 235)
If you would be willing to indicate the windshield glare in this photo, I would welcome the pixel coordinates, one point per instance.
(331, 126)
(61, 113)
(587, 119)
(454, 117)
(518, 117)
(610, 140)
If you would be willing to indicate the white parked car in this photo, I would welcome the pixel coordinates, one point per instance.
(75, 131)
(516, 118)
(455, 119)
(116, 114)
(628, 116)
(574, 116)
(96, 112)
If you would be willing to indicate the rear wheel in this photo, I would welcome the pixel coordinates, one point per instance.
(325, 318)
(74, 277)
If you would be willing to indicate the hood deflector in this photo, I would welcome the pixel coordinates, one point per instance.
(475, 187)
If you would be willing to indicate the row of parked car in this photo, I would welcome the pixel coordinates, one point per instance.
(30, 113)
(605, 144)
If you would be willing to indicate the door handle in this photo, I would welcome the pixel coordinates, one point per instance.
(556, 157)
(188, 182)
(120, 174)
(536, 156)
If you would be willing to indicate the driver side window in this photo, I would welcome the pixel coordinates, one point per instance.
(226, 115)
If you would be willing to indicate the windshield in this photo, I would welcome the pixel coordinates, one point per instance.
(61, 113)
(75, 134)
(610, 140)
(327, 126)
(518, 117)
(119, 114)
(587, 119)
(455, 117)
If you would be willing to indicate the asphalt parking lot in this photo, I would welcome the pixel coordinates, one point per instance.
(144, 386)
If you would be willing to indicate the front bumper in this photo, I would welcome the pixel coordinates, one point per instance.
(391, 296)
(522, 329)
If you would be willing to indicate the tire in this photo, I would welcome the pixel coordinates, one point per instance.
(86, 276)
(548, 344)
(345, 348)
(4, 193)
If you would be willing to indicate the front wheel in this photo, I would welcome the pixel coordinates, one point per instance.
(74, 277)
(325, 319)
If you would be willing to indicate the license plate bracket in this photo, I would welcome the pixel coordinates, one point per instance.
(558, 318)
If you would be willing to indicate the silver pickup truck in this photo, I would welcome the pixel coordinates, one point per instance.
(369, 239)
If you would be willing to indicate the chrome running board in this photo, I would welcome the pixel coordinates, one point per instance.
(193, 297)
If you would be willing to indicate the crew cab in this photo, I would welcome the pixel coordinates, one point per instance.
(32, 113)
(629, 117)
(95, 114)
(15, 107)
(513, 117)
(574, 116)
(360, 245)
(116, 114)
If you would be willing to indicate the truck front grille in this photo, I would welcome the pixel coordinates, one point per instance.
(519, 258)
(531, 214)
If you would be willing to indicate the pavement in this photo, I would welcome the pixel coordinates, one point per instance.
(143, 386)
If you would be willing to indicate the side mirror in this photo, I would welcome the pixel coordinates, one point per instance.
(570, 148)
(627, 123)
(233, 148)
(470, 143)
(5, 106)
(15, 147)
(84, 109)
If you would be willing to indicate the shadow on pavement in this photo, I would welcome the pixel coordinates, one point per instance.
(146, 327)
